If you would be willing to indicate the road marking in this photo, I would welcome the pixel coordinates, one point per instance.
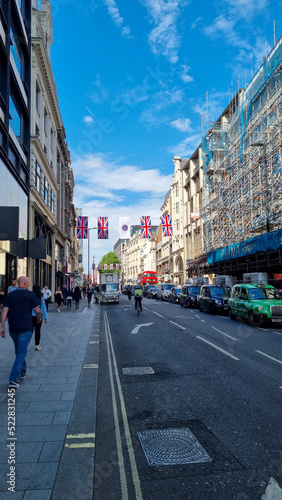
(177, 325)
(270, 357)
(94, 342)
(226, 334)
(90, 366)
(277, 333)
(137, 327)
(81, 436)
(218, 348)
(80, 445)
(160, 315)
(264, 329)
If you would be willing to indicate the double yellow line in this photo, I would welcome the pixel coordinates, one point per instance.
(113, 371)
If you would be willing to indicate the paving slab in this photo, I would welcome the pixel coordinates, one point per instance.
(48, 408)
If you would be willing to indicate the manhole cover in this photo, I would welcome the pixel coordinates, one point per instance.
(172, 447)
(138, 370)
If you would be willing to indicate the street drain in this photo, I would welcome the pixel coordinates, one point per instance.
(138, 370)
(172, 447)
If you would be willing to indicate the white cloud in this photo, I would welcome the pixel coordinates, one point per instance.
(182, 124)
(117, 18)
(88, 119)
(186, 147)
(164, 38)
(184, 74)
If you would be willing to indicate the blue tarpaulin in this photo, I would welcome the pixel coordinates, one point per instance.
(262, 243)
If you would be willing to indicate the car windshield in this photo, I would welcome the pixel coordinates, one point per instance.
(263, 293)
(177, 291)
(218, 290)
(193, 289)
(168, 287)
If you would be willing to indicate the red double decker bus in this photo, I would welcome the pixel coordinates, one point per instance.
(147, 278)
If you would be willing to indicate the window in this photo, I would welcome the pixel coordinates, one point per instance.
(45, 121)
(15, 49)
(37, 177)
(177, 208)
(46, 191)
(52, 139)
(177, 190)
(15, 118)
(37, 97)
(177, 224)
(52, 202)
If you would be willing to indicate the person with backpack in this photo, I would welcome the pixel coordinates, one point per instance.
(138, 295)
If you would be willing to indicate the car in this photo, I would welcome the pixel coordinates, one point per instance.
(255, 303)
(152, 293)
(214, 298)
(189, 296)
(174, 293)
(163, 290)
(146, 289)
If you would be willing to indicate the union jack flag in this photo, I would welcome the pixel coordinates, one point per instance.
(111, 266)
(146, 226)
(167, 225)
(82, 228)
(117, 266)
(103, 228)
(105, 267)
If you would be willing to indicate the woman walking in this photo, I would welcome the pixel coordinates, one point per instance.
(58, 298)
(77, 296)
(36, 325)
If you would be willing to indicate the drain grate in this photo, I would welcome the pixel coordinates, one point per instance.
(172, 447)
(138, 370)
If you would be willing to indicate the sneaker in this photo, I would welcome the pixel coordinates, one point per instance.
(38, 347)
(14, 385)
(22, 376)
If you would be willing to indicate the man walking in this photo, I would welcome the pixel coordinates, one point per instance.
(19, 305)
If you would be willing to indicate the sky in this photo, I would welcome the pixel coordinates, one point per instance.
(137, 82)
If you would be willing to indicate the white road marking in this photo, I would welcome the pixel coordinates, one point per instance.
(177, 325)
(218, 348)
(270, 357)
(272, 491)
(277, 333)
(137, 328)
(154, 312)
(264, 329)
(226, 334)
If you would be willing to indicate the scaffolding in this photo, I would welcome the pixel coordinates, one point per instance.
(242, 167)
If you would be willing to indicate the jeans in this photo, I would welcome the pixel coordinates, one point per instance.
(21, 342)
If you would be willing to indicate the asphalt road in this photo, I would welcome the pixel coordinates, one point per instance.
(189, 406)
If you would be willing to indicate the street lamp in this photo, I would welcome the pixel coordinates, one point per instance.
(262, 145)
(89, 229)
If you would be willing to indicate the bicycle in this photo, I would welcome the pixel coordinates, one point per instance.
(138, 307)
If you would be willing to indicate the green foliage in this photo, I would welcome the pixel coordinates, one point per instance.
(110, 258)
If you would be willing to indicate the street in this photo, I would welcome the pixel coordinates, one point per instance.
(189, 406)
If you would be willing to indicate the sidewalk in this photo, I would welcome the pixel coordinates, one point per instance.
(55, 410)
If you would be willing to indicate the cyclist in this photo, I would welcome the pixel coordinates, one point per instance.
(138, 295)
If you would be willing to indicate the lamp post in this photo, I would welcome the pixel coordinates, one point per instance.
(262, 145)
(89, 229)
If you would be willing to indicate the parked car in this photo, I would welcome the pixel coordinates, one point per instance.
(214, 298)
(189, 296)
(174, 293)
(255, 303)
(163, 290)
(146, 290)
(152, 293)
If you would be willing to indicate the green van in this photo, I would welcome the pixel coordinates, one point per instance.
(255, 303)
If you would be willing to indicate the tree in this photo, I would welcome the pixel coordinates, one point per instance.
(109, 258)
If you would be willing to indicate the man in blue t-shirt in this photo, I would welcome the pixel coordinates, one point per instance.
(18, 307)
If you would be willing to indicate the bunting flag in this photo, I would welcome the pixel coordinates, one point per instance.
(146, 226)
(103, 228)
(99, 267)
(82, 228)
(124, 228)
(111, 266)
(167, 225)
(105, 267)
(117, 266)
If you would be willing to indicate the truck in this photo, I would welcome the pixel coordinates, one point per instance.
(109, 288)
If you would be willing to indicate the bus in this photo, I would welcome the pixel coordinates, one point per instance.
(147, 278)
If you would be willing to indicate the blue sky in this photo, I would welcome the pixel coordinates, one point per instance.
(133, 80)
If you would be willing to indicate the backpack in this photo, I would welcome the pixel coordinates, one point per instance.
(138, 293)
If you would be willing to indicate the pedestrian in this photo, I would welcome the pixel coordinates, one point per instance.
(37, 326)
(77, 296)
(96, 293)
(58, 298)
(84, 291)
(18, 307)
(89, 294)
(69, 298)
(47, 294)
(64, 292)
(13, 286)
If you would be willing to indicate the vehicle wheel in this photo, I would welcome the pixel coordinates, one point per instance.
(212, 309)
(181, 304)
(254, 320)
(231, 315)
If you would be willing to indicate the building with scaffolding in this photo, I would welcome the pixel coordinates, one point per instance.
(241, 206)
